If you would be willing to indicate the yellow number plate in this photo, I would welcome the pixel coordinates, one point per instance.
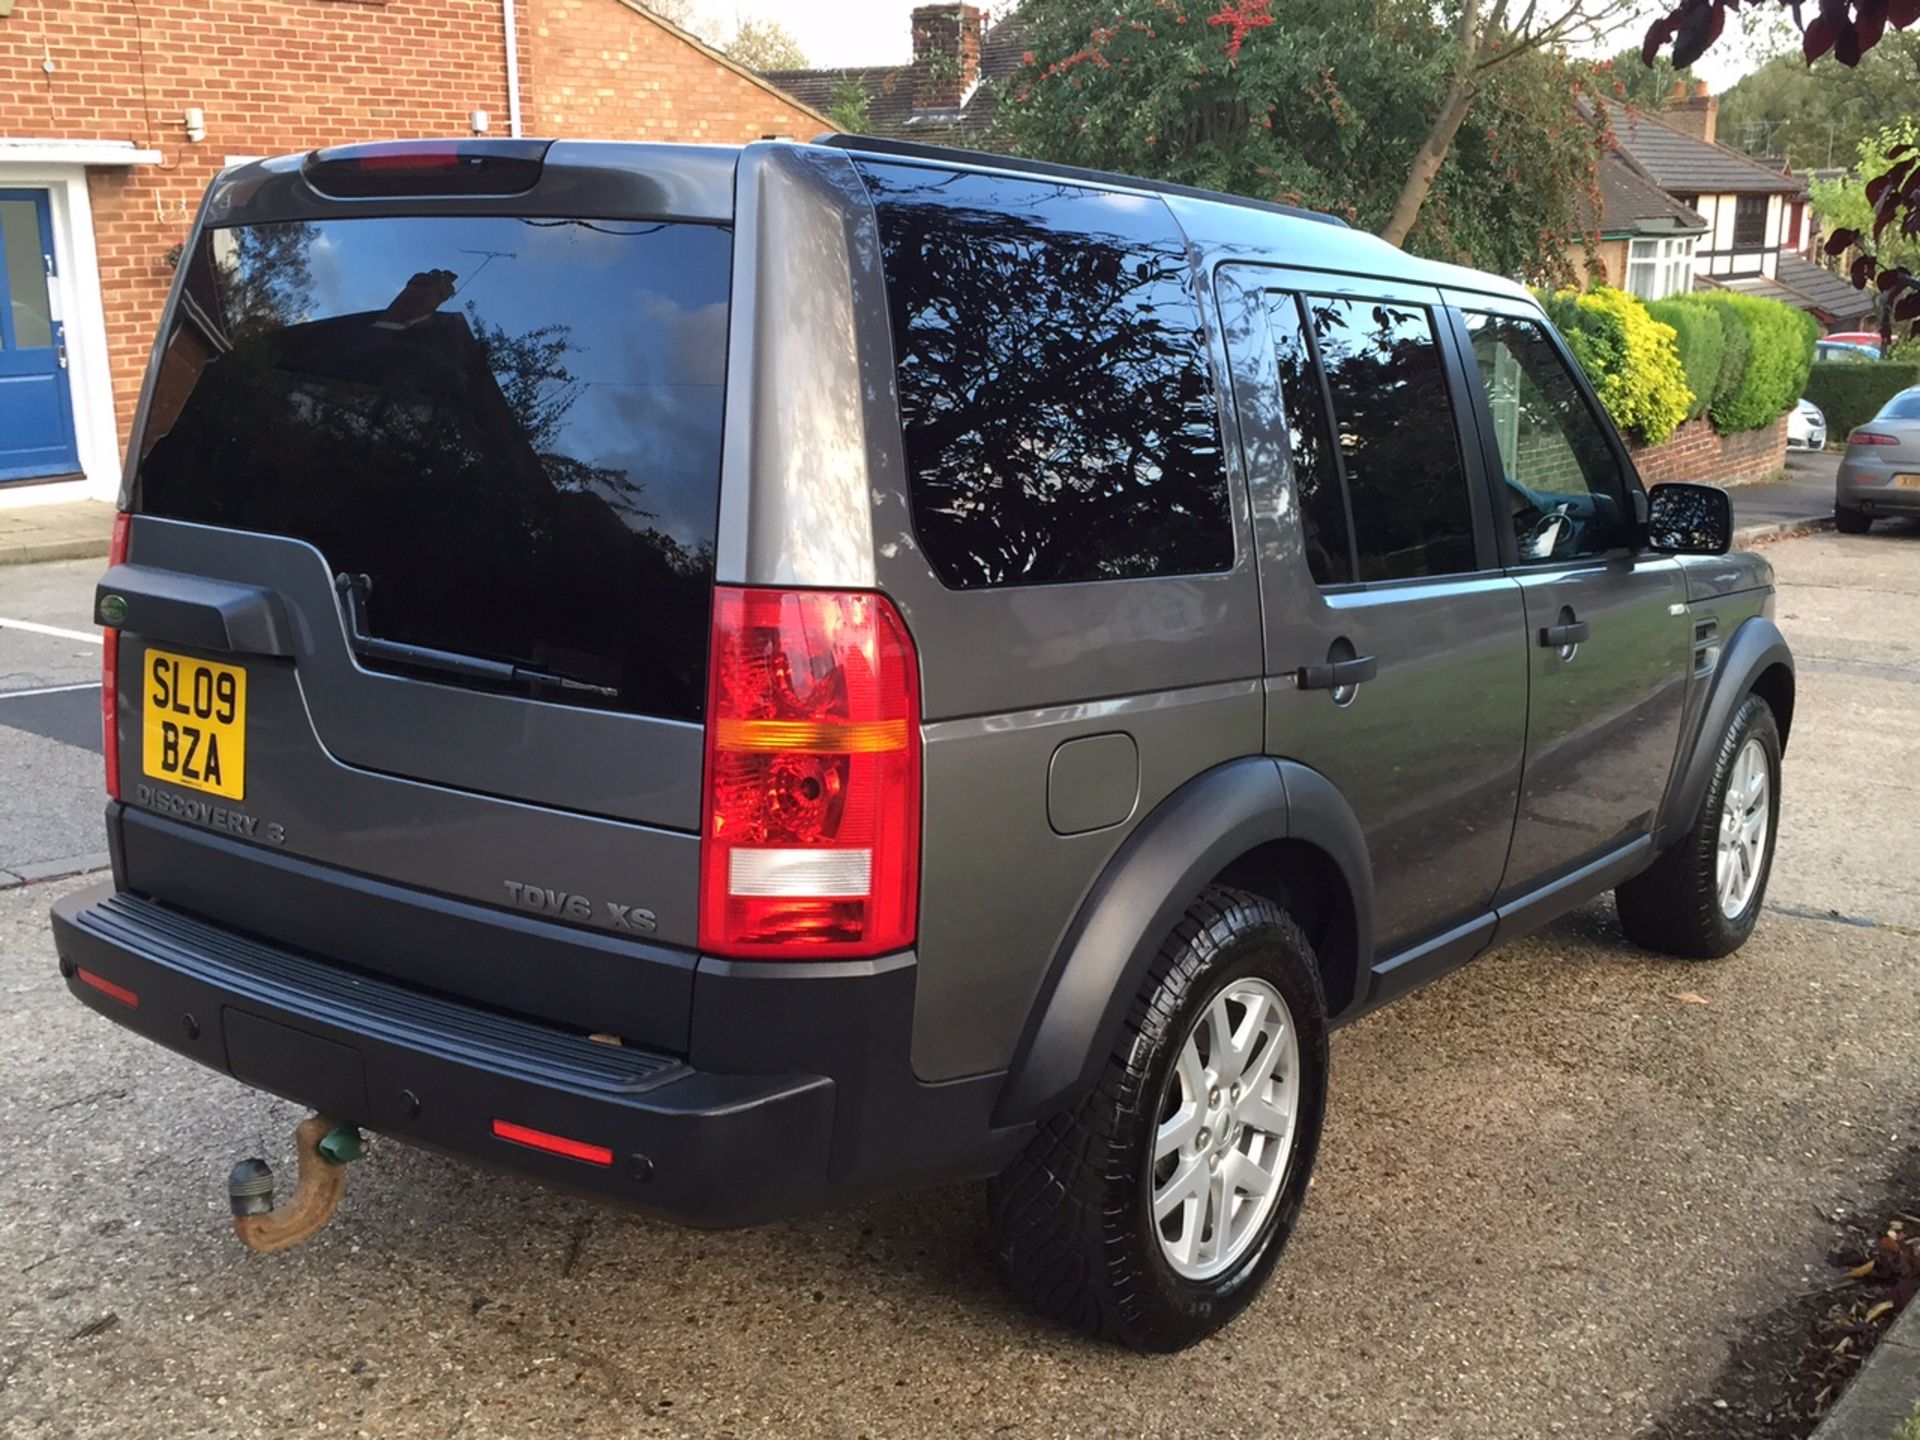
(195, 728)
(1907, 482)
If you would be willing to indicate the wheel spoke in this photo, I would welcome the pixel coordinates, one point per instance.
(1266, 1117)
(1257, 1074)
(1193, 1074)
(1179, 1129)
(1188, 1182)
(1218, 1196)
(1220, 1052)
(1248, 1176)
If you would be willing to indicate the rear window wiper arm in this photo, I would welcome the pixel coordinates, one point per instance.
(354, 590)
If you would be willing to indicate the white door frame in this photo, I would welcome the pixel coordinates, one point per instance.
(77, 303)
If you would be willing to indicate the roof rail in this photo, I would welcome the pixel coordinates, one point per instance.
(954, 155)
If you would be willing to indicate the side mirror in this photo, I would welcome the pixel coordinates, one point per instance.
(1687, 519)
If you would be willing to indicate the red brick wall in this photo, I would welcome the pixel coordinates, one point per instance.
(1694, 452)
(282, 75)
(598, 68)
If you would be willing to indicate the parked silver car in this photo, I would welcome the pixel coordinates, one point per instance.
(1880, 473)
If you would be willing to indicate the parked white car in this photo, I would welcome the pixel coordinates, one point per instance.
(1806, 427)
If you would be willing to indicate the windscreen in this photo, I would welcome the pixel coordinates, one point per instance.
(509, 426)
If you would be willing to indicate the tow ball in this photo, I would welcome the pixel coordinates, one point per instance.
(326, 1148)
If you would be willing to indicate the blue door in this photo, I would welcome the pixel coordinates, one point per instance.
(36, 406)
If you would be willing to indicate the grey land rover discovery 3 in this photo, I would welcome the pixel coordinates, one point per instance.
(734, 679)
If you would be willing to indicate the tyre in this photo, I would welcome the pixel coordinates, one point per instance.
(1849, 521)
(1152, 1213)
(1700, 899)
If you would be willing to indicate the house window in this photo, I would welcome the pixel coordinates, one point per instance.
(1659, 268)
(1750, 222)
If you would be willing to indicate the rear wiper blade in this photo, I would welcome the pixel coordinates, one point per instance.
(354, 590)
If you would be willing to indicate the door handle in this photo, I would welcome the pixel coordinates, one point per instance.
(1337, 674)
(1558, 637)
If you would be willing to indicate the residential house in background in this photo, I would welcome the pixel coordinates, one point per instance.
(945, 95)
(1754, 226)
(114, 116)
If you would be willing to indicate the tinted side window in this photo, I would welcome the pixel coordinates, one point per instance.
(1055, 400)
(1316, 475)
(1398, 445)
(1562, 486)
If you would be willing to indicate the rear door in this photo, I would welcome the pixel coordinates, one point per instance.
(466, 455)
(1609, 641)
(1395, 664)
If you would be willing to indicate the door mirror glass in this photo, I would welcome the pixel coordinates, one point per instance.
(1689, 520)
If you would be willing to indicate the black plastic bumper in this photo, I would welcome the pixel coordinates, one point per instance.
(716, 1147)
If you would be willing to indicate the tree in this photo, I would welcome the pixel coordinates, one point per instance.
(1848, 29)
(1843, 206)
(1486, 40)
(850, 107)
(1818, 118)
(1646, 86)
(765, 45)
(1319, 103)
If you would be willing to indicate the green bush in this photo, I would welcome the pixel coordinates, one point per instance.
(1851, 392)
(1775, 375)
(1702, 339)
(1632, 359)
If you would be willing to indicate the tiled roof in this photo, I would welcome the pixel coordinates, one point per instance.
(1682, 165)
(889, 88)
(1830, 293)
(1631, 204)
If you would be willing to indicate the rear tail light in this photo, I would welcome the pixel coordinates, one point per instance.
(811, 836)
(427, 167)
(110, 668)
(1872, 437)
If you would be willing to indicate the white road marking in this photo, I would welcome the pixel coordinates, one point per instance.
(34, 627)
(49, 690)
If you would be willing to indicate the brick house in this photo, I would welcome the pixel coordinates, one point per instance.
(945, 95)
(115, 114)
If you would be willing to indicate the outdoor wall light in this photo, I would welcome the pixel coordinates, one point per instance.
(196, 122)
(479, 120)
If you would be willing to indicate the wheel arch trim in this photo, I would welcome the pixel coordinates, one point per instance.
(1754, 659)
(1160, 869)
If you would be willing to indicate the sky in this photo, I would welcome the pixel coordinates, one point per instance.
(875, 32)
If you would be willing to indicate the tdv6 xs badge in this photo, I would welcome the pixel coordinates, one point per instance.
(564, 905)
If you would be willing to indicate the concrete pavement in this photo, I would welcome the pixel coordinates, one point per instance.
(33, 534)
(1554, 1186)
(1802, 500)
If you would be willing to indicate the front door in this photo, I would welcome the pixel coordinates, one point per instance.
(36, 407)
(1394, 643)
(1607, 626)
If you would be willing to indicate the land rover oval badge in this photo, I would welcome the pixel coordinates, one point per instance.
(113, 609)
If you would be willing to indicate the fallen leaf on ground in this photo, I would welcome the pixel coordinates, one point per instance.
(1861, 1271)
(1688, 997)
(1883, 1308)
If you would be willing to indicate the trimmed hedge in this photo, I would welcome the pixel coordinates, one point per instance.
(1775, 375)
(1632, 359)
(1851, 392)
(1702, 337)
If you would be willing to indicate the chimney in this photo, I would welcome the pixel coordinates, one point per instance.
(1695, 111)
(946, 55)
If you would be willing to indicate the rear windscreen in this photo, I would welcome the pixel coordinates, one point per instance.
(509, 426)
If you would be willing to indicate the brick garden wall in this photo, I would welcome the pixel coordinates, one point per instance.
(1695, 453)
(275, 76)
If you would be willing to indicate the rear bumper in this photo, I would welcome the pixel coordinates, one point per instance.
(1869, 485)
(713, 1147)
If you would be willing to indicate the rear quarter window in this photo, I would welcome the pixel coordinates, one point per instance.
(1055, 398)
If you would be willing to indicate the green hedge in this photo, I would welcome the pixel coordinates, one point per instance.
(1701, 335)
(1851, 392)
(1632, 359)
(1775, 374)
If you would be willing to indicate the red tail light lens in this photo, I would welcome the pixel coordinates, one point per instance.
(552, 1144)
(811, 839)
(1870, 437)
(110, 668)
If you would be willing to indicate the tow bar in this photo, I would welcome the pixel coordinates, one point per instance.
(326, 1148)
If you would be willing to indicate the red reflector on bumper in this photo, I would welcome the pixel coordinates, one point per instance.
(107, 988)
(552, 1144)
